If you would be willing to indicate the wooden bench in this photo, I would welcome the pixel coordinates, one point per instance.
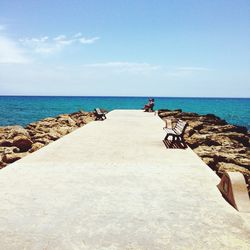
(177, 133)
(99, 115)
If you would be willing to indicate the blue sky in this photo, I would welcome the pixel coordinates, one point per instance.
(125, 47)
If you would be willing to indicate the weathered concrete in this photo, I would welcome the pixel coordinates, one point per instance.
(114, 185)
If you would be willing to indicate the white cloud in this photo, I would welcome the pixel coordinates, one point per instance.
(79, 34)
(11, 53)
(88, 41)
(59, 38)
(45, 45)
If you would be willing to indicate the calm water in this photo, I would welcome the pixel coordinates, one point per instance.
(23, 109)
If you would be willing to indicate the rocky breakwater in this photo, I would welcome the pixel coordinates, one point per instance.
(17, 141)
(222, 146)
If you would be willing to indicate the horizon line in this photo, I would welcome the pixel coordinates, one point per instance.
(135, 96)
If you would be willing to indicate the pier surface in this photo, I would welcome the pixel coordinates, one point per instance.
(114, 185)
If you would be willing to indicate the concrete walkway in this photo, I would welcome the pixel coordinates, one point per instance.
(114, 185)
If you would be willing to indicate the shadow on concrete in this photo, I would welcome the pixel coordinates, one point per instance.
(175, 144)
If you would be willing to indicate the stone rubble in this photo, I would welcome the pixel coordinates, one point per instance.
(16, 141)
(222, 146)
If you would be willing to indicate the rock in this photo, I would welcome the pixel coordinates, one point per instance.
(42, 129)
(10, 158)
(36, 146)
(231, 167)
(16, 131)
(241, 138)
(63, 130)
(168, 113)
(210, 162)
(187, 115)
(5, 143)
(206, 152)
(43, 140)
(229, 155)
(224, 129)
(49, 119)
(197, 140)
(8, 150)
(66, 119)
(211, 121)
(22, 142)
(53, 135)
(37, 134)
(2, 163)
(196, 125)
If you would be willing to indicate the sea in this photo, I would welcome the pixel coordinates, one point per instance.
(22, 110)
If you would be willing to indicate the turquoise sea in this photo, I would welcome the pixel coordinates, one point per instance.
(22, 110)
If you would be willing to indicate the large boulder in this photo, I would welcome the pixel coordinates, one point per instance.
(6, 143)
(22, 142)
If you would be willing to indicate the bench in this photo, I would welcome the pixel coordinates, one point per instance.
(99, 115)
(177, 132)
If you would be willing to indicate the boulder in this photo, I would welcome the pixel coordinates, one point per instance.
(205, 151)
(224, 129)
(36, 146)
(211, 120)
(168, 114)
(231, 167)
(53, 135)
(8, 150)
(43, 140)
(2, 163)
(64, 130)
(197, 140)
(38, 135)
(10, 158)
(16, 131)
(196, 125)
(22, 142)
(5, 143)
(210, 162)
(66, 119)
(241, 138)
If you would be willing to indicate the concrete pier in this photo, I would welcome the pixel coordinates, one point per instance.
(114, 185)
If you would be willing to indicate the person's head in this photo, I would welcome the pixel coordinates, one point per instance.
(152, 99)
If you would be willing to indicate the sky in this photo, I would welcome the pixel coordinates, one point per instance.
(191, 48)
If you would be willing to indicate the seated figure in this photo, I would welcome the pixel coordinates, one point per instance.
(150, 106)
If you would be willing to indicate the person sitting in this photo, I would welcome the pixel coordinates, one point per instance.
(150, 106)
